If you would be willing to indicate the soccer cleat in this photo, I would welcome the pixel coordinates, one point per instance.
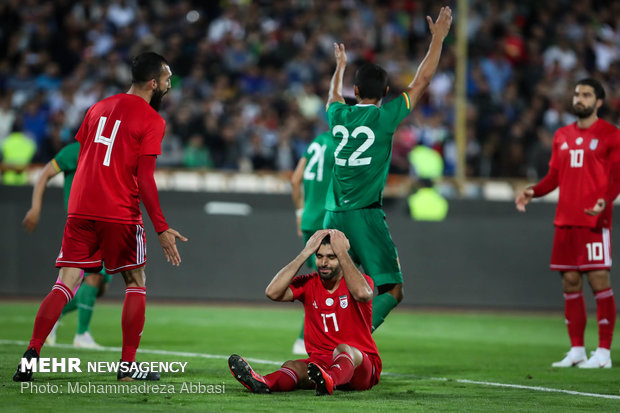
(299, 347)
(245, 375)
(324, 382)
(575, 357)
(85, 341)
(598, 360)
(51, 338)
(20, 375)
(132, 372)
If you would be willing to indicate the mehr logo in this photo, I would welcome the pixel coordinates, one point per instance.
(73, 365)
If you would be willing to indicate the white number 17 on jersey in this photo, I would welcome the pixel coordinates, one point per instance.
(109, 142)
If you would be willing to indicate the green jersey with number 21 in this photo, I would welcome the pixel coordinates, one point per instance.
(363, 137)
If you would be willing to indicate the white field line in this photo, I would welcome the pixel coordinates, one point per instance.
(278, 363)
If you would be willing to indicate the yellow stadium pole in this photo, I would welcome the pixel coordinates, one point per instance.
(460, 92)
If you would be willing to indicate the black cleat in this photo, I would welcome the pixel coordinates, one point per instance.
(244, 374)
(20, 375)
(130, 372)
(324, 382)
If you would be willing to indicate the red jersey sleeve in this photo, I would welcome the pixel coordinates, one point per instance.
(298, 286)
(151, 142)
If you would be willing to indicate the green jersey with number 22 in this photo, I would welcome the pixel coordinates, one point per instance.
(363, 138)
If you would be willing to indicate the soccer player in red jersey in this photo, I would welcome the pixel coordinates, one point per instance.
(337, 328)
(120, 139)
(585, 165)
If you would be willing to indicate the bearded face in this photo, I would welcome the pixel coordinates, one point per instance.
(582, 111)
(158, 95)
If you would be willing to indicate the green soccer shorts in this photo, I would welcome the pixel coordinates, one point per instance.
(371, 242)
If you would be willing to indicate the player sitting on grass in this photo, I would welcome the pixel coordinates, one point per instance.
(337, 329)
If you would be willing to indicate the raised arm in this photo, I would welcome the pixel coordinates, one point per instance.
(31, 220)
(297, 191)
(279, 287)
(335, 87)
(426, 70)
(357, 284)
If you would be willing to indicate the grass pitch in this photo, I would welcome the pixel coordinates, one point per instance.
(441, 362)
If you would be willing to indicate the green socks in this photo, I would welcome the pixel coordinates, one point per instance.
(381, 307)
(85, 297)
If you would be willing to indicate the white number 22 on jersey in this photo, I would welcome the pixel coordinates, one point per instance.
(354, 159)
(109, 142)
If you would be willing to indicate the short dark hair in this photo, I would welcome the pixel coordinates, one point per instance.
(371, 81)
(599, 91)
(146, 66)
(327, 240)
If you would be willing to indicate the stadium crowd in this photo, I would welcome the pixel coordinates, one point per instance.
(251, 77)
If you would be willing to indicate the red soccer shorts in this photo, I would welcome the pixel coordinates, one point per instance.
(87, 244)
(581, 249)
(364, 377)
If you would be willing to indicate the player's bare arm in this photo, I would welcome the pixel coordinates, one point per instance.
(335, 87)
(357, 284)
(439, 30)
(278, 289)
(524, 198)
(297, 191)
(597, 208)
(31, 220)
(167, 239)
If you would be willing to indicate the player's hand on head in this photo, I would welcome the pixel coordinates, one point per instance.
(167, 239)
(524, 198)
(314, 242)
(597, 208)
(340, 54)
(339, 241)
(441, 26)
(31, 220)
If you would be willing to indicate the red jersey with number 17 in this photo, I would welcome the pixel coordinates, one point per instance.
(114, 134)
(334, 318)
(583, 159)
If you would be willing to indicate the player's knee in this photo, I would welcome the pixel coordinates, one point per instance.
(571, 282)
(135, 277)
(299, 367)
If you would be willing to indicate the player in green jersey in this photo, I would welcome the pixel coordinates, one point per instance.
(309, 183)
(94, 285)
(363, 138)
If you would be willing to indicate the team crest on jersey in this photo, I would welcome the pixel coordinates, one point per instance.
(344, 301)
(593, 144)
(329, 301)
(564, 146)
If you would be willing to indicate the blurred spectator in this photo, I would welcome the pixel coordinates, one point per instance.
(196, 154)
(16, 152)
(245, 71)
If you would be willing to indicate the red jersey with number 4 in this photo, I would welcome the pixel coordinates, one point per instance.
(114, 134)
(333, 318)
(583, 158)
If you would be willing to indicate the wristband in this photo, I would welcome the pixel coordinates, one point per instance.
(299, 212)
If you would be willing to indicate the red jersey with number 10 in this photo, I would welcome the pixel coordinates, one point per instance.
(334, 318)
(114, 134)
(583, 158)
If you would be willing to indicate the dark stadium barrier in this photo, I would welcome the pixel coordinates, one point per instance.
(484, 255)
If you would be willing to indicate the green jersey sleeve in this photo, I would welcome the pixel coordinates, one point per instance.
(66, 159)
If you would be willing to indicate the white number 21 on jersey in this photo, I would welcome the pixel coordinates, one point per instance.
(109, 142)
